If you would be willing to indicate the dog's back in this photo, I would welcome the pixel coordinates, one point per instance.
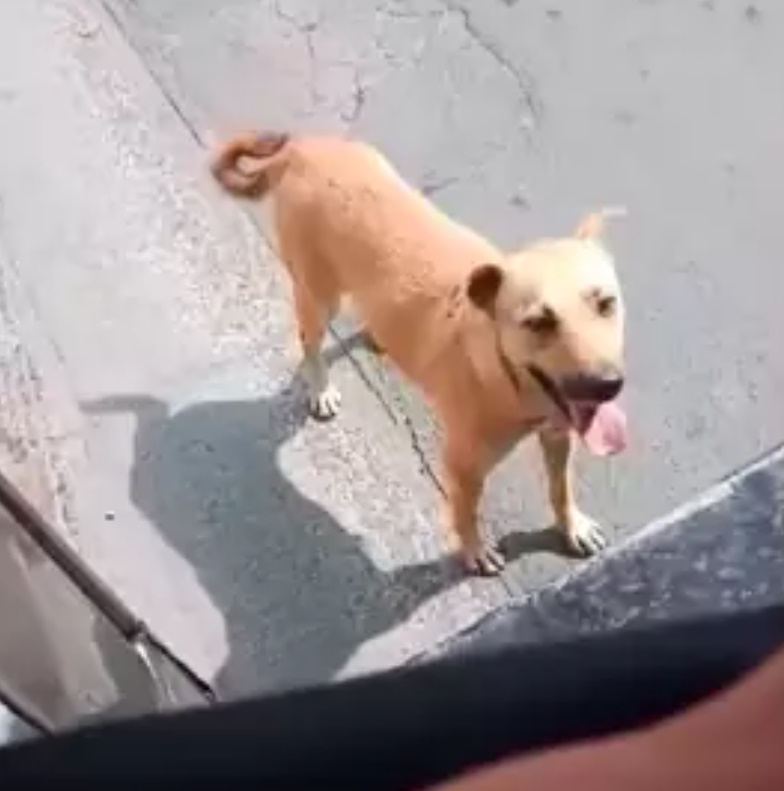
(348, 225)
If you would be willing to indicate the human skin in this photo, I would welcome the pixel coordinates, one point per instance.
(732, 742)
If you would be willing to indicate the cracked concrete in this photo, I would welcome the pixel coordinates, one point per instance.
(507, 64)
(263, 549)
(39, 439)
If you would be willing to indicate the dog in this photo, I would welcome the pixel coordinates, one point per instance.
(502, 346)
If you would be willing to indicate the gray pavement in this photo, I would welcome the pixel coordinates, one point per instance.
(270, 551)
(720, 553)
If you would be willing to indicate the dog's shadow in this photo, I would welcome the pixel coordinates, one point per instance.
(297, 592)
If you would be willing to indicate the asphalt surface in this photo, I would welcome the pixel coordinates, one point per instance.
(718, 554)
(150, 327)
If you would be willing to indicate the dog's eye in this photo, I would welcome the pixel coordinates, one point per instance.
(605, 305)
(543, 323)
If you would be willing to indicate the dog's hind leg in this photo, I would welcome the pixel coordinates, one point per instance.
(313, 317)
(315, 303)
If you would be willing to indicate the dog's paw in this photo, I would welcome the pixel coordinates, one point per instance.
(325, 404)
(483, 562)
(584, 537)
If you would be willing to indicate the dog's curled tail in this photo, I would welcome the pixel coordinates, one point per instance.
(263, 151)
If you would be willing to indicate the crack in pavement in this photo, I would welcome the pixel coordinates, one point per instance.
(307, 29)
(524, 82)
(399, 12)
(36, 439)
(168, 97)
(359, 95)
(396, 412)
(431, 184)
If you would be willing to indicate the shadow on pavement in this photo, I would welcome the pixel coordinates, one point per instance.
(297, 592)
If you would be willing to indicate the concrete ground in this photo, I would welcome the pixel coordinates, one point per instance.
(719, 554)
(147, 344)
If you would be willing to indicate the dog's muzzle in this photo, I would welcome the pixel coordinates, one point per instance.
(595, 388)
(579, 388)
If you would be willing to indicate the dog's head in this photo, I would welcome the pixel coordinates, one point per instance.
(559, 315)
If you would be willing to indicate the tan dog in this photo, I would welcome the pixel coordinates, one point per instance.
(502, 346)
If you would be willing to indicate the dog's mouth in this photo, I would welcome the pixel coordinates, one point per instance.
(600, 424)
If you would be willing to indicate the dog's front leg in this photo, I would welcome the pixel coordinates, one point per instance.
(582, 534)
(464, 481)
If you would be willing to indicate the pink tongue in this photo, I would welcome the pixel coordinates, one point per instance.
(606, 433)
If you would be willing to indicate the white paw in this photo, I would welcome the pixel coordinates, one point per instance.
(584, 536)
(484, 561)
(325, 404)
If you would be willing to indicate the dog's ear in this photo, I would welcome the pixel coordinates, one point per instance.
(484, 284)
(592, 226)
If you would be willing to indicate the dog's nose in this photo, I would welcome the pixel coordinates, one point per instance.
(599, 387)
